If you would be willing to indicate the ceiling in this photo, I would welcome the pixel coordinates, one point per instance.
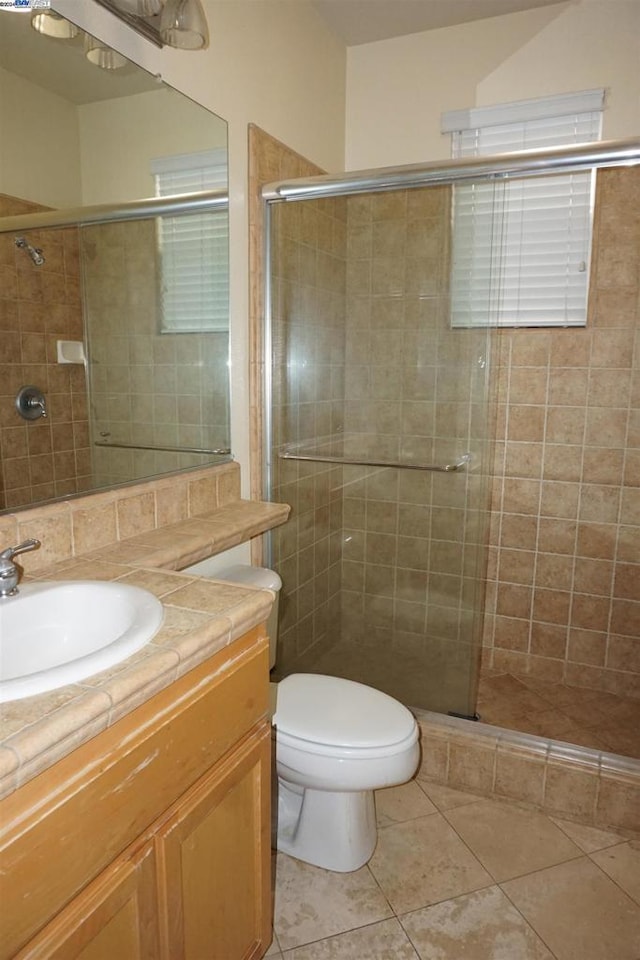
(363, 21)
(62, 68)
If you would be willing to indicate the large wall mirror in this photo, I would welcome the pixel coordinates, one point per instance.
(120, 326)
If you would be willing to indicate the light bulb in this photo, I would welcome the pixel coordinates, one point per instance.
(51, 24)
(101, 55)
(184, 25)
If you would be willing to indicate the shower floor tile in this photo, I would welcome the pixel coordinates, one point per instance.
(589, 718)
(458, 877)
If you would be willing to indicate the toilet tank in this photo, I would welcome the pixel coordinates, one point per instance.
(246, 575)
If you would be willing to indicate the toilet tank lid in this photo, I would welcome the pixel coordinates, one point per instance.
(340, 712)
(260, 577)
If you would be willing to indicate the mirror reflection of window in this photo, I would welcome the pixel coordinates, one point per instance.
(194, 248)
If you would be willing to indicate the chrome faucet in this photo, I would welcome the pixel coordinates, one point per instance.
(9, 574)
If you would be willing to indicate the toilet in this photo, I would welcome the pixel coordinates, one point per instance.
(336, 742)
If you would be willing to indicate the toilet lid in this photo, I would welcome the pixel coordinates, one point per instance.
(339, 712)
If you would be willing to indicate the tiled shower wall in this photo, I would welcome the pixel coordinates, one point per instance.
(147, 388)
(40, 459)
(564, 587)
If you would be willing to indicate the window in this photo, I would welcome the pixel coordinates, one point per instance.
(194, 248)
(521, 247)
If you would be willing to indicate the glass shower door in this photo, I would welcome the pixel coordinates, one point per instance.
(379, 443)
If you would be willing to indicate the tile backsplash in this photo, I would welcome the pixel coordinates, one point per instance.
(76, 527)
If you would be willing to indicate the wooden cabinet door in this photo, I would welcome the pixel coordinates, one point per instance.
(114, 918)
(214, 861)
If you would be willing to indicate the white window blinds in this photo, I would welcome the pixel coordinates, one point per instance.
(194, 248)
(521, 248)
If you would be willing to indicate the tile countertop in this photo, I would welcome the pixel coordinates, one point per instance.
(201, 617)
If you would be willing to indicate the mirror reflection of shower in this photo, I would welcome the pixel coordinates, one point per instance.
(35, 253)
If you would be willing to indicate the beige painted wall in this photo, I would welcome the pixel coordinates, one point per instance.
(397, 89)
(270, 62)
(29, 167)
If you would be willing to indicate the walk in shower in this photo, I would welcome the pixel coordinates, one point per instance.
(379, 425)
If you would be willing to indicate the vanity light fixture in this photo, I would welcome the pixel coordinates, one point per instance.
(140, 8)
(184, 25)
(173, 23)
(52, 24)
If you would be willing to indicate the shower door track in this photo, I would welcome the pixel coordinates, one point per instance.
(526, 163)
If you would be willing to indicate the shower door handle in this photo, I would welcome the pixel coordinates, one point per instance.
(453, 467)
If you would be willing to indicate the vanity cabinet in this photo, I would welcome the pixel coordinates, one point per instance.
(152, 840)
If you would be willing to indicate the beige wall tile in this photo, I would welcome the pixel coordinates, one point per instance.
(618, 803)
(519, 775)
(571, 792)
(471, 766)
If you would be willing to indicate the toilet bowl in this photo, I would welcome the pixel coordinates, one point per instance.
(336, 742)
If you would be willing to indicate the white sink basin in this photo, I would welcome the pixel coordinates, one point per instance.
(54, 633)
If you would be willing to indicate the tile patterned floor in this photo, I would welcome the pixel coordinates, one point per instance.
(460, 877)
(590, 718)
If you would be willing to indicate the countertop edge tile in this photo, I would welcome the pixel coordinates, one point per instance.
(39, 740)
(202, 641)
(140, 695)
(9, 766)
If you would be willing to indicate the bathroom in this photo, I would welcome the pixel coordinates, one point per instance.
(323, 84)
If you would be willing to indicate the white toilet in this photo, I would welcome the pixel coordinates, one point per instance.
(336, 742)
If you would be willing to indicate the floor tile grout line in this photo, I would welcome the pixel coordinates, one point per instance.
(493, 886)
(581, 855)
(377, 883)
(475, 797)
(586, 857)
(391, 916)
(332, 936)
(514, 803)
(621, 840)
(636, 903)
(469, 850)
(525, 919)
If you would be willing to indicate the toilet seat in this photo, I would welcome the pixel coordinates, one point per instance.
(333, 752)
(331, 716)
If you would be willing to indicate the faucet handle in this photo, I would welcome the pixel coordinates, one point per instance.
(23, 547)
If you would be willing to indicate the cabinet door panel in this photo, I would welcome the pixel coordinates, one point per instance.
(115, 918)
(214, 860)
